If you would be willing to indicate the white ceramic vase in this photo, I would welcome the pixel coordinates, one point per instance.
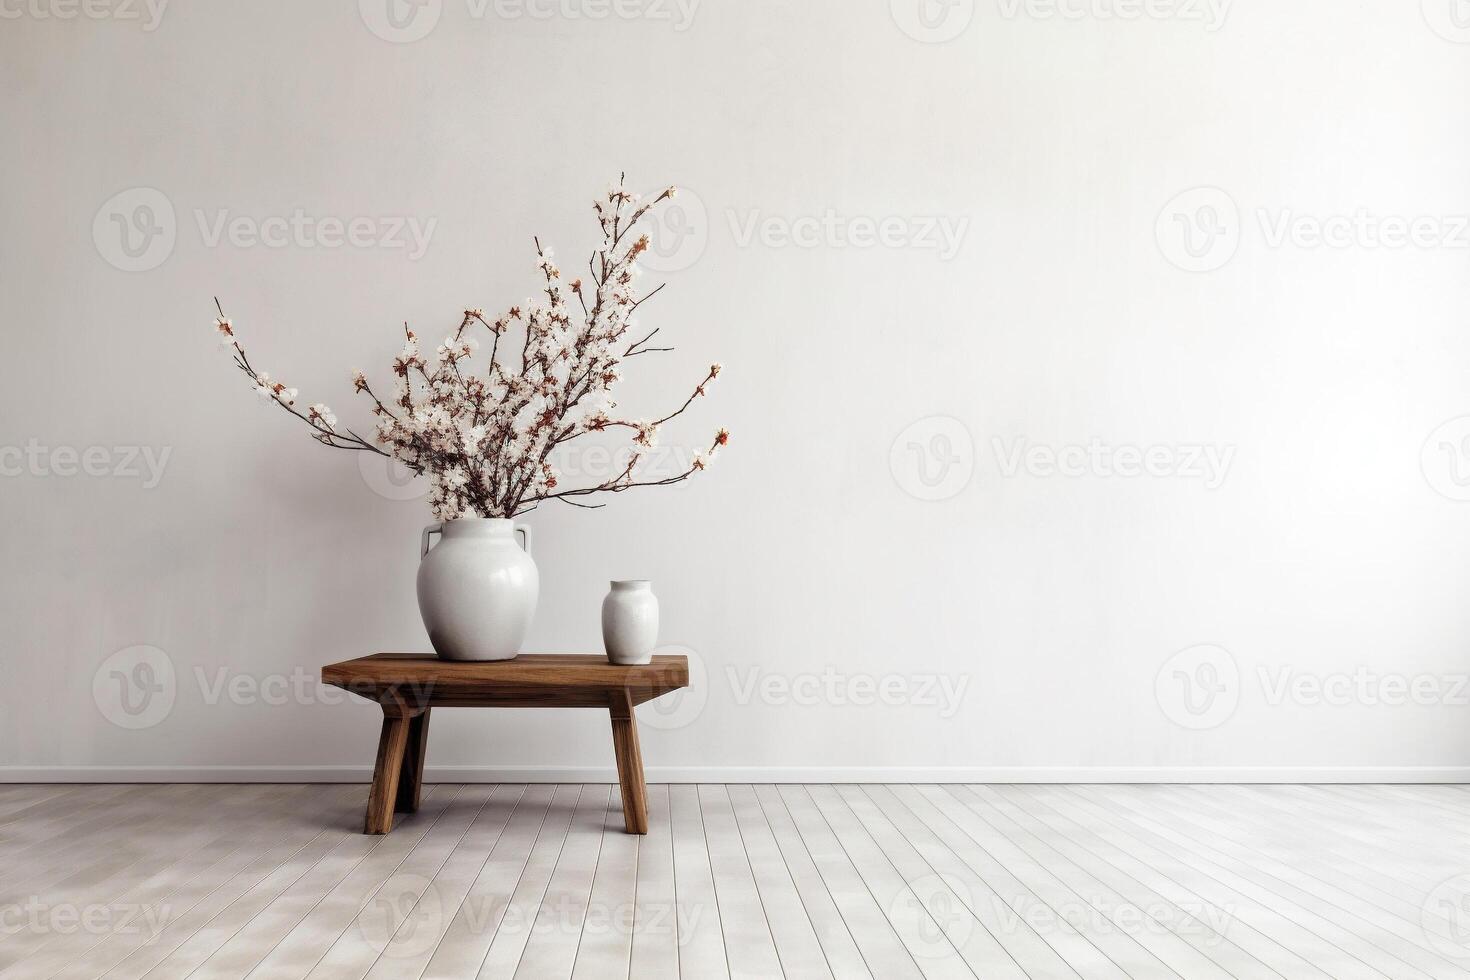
(477, 588)
(630, 622)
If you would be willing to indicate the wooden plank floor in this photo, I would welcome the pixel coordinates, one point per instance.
(217, 881)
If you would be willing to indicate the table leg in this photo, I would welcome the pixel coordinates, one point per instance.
(384, 793)
(630, 763)
(411, 778)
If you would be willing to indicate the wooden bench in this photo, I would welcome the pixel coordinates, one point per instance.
(408, 685)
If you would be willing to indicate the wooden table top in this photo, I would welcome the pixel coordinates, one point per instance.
(571, 679)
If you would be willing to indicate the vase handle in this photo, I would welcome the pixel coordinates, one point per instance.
(524, 530)
(437, 528)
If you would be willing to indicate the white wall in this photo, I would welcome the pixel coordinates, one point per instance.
(1054, 148)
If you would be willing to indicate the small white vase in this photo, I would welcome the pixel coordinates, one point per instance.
(630, 622)
(477, 588)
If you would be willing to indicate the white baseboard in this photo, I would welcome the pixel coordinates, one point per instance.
(749, 774)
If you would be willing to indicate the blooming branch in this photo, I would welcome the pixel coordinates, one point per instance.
(487, 437)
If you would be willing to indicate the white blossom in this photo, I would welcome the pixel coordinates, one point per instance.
(647, 434)
(487, 436)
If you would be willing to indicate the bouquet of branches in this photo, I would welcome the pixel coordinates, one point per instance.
(486, 436)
